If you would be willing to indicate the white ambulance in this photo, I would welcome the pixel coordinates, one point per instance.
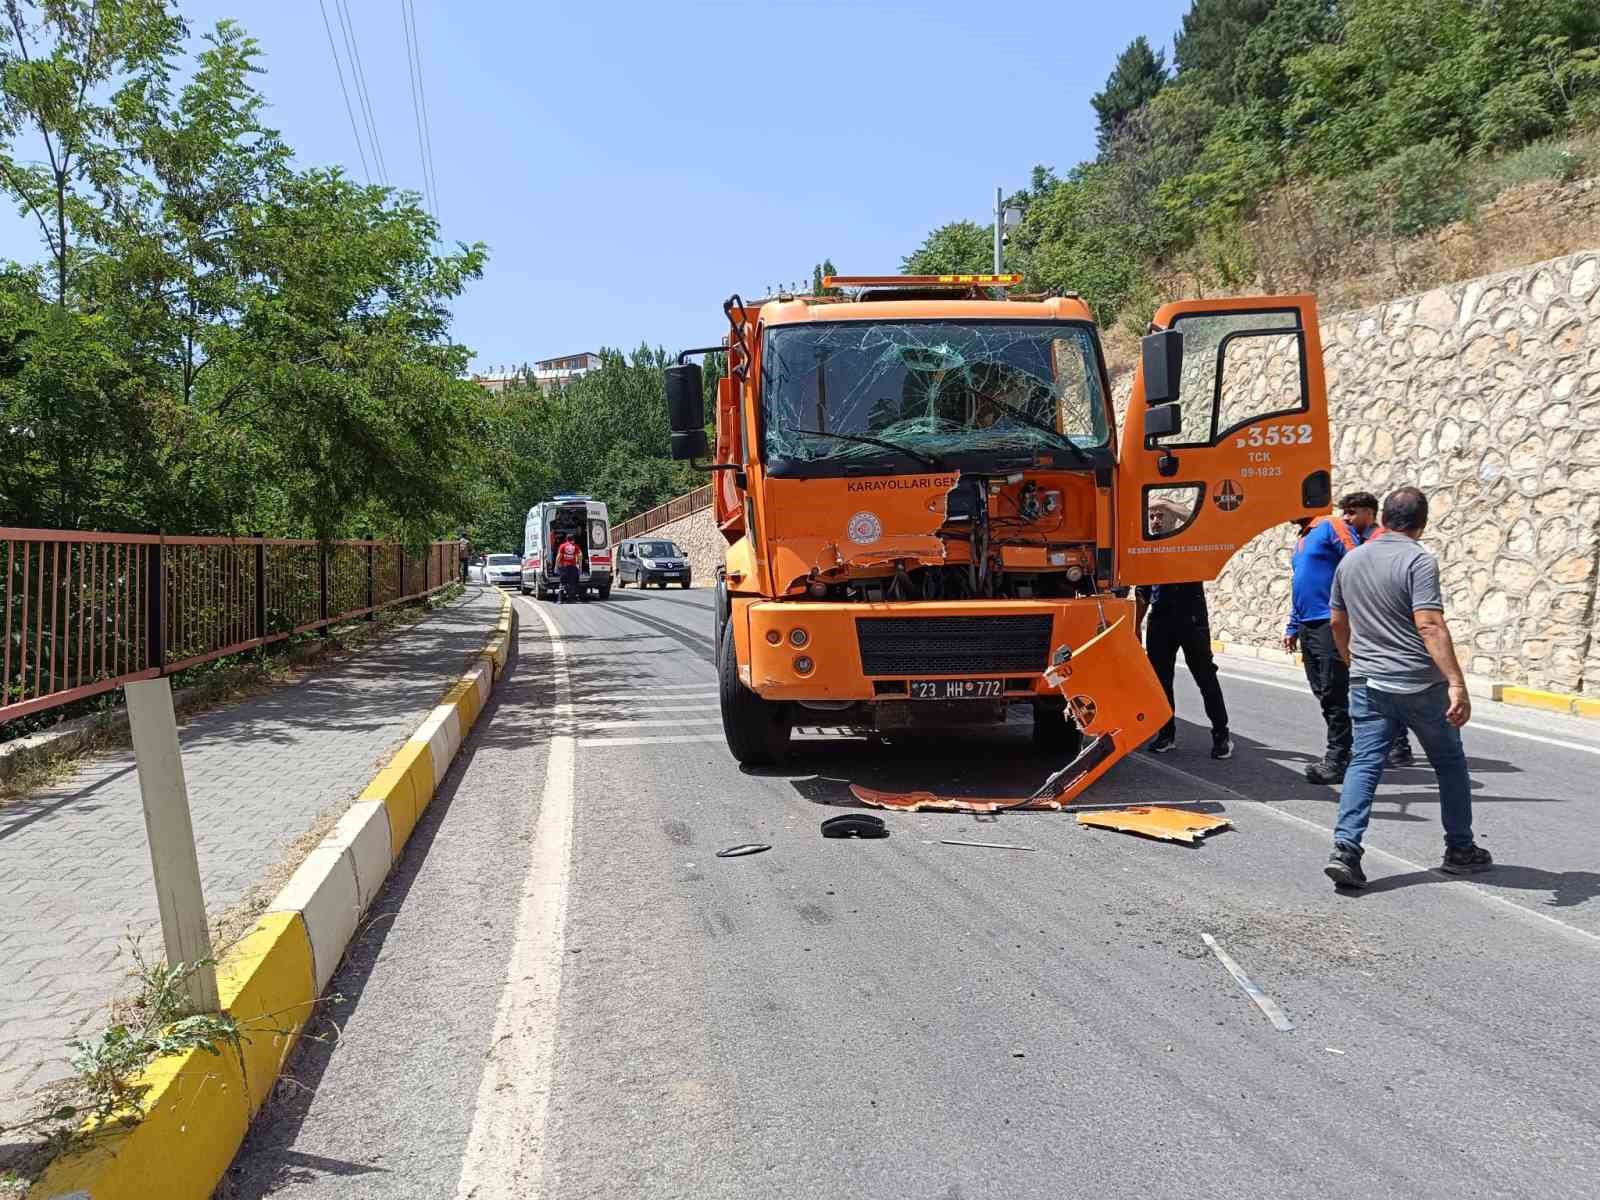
(549, 522)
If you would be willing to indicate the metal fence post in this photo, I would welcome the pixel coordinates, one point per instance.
(155, 610)
(372, 580)
(261, 584)
(400, 557)
(322, 589)
(167, 823)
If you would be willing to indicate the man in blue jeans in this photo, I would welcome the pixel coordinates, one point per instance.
(1387, 617)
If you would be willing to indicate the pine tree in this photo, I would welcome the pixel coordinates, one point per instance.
(1138, 75)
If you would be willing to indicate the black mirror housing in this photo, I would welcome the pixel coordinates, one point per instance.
(1163, 420)
(690, 444)
(686, 401)
(1162, 366)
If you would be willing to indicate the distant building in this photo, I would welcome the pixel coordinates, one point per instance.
(554, 372)
(547, 373)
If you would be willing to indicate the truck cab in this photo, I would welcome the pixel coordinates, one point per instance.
(548, 523)
(928, 503)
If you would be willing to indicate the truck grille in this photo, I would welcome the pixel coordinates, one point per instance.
(953, 645)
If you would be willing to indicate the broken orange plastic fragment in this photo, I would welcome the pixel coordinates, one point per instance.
(1169, 824)
(1116, 700)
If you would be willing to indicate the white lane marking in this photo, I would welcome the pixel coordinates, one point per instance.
(675, 693)
(1484, 725)
(674, 722)
(1327, 832)
(504, 1158)
(660, 708)
(650, 741)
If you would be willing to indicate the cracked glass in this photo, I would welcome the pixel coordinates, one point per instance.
(917, 393)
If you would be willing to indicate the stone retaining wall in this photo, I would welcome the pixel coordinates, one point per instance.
(1485, 394)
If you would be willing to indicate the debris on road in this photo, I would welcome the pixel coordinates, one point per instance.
(1168, 824)
(1269, 1006)
(741, 851)
(990, 845)
(855, 825)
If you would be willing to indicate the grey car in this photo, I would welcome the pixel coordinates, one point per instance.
(652, 560)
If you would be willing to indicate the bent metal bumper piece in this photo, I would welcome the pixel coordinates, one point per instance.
(1117, 701)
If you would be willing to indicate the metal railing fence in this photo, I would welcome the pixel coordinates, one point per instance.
(678, 506)
(86, 612)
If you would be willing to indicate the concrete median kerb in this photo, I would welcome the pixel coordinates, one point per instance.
(198, 1105)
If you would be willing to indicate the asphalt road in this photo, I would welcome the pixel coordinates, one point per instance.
(566, 993)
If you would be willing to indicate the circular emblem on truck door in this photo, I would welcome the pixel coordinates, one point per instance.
(864, 528)
(1229, 496)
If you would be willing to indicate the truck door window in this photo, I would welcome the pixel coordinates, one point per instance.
(1171, 509)
(1237, 368)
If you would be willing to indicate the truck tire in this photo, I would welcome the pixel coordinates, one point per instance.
(719, 615)
(757, 730)
(1053, 731)
(605, 592)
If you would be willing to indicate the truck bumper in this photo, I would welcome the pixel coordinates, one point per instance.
(810, 650)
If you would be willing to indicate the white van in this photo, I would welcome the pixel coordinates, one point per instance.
(549, 522)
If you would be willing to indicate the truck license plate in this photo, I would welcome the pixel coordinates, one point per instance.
(957, 689)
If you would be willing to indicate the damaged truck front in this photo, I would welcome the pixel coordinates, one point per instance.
(927, 511)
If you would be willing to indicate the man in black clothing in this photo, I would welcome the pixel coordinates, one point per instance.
(1179, 621)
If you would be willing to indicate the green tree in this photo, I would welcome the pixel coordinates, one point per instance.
(1212, 39)
(961, 247)
(1138, 75)
(820, 272)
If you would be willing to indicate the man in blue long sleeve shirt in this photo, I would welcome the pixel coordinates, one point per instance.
(1322, 546)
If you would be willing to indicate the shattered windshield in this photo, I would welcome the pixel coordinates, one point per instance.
(919, 392)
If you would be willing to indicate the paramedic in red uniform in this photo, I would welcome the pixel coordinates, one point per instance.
(569, 558)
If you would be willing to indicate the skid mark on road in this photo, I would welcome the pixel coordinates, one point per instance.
(1327, 832)
(504, 1159)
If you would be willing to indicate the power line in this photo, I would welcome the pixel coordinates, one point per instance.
(422, 91)
(365, 170)
(352, 47)
(416, 112)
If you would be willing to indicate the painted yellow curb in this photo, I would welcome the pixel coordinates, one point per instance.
(267, 984)
(197, 1110)
(1586, 708)
(1560, 702)
(198, 1105)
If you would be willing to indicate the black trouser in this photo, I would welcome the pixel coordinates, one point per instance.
(1164, 637)
(463, 570)
(569, 583)
(1329, 678)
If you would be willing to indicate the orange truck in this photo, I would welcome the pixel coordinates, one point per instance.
(931, 517)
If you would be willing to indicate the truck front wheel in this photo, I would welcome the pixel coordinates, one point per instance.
(757, 730)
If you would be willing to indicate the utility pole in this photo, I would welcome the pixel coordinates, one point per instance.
(999, 233)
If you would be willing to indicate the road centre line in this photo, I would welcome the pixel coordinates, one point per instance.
(667, 708)
(504, 1157)
(1327, 832)
(1484, 725)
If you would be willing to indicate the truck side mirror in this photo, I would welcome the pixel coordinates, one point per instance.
(1162, 353)
(1162, 421)
(686, 410)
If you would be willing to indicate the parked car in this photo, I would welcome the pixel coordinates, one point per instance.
(475, 569)
(652, 560)
(503, 569)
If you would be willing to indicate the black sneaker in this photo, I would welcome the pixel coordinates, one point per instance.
(1344, 867)
(1326, 771)
(1164, 741)
(1400, 754)
(1221, 745)
(1466, 860)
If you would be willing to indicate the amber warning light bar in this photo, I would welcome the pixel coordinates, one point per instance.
(857, 281)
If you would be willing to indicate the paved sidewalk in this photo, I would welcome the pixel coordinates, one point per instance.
(74, 863)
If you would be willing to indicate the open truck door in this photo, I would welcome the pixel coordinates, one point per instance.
(1226, 435)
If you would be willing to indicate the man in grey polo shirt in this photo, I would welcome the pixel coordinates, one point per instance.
(1388, 623)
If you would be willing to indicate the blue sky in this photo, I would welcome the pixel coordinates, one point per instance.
(630, 164)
